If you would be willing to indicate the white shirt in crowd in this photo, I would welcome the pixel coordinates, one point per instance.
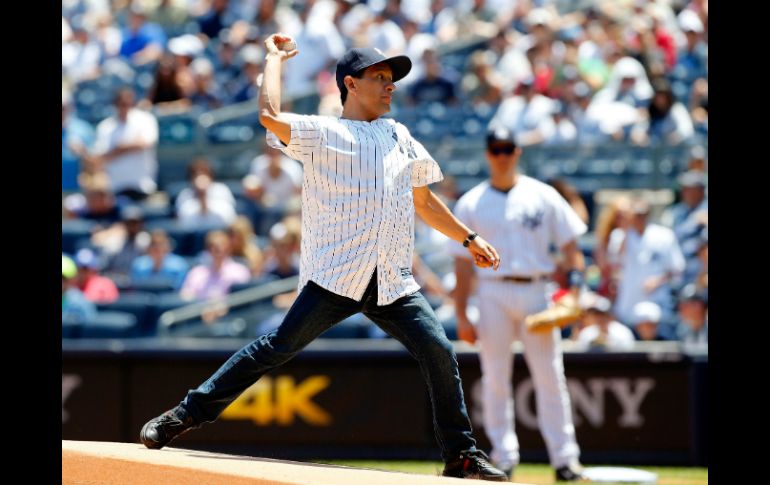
(652, 254)
(618, 337)
(521, 224)
(137, 169)
(220, 205)
(520, 116)
(357, 202)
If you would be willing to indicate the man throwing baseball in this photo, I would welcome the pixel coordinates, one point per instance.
(364, 178)
(524, 218)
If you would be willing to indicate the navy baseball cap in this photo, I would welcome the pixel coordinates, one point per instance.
(500, 134)
(358, 59)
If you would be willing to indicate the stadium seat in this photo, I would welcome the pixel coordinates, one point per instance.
(110, 324)
(138, 304)
(73, 233)
(253, 283)
(71, 329)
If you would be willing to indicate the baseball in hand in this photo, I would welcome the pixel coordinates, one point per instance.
(287, 46)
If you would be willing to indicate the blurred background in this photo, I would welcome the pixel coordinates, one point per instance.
(181, 228)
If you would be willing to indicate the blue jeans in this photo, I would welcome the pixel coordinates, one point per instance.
(409, 319)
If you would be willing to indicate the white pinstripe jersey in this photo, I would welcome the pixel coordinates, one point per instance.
(357, 204)
(521, 225)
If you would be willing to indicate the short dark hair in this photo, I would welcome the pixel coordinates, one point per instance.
(344, 90)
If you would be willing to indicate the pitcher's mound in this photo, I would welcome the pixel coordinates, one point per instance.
(104, 463)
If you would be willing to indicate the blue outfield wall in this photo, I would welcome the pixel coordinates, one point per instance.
(366, 399)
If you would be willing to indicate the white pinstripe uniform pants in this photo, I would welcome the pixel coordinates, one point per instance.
(502, 307)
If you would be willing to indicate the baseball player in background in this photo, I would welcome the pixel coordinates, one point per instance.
(364, 178)
(522, 218)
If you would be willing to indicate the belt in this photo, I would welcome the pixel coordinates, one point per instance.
(524, 279)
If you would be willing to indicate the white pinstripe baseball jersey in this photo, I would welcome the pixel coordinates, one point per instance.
(357, 204)
(521, 224)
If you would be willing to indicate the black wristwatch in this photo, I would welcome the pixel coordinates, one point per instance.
(470, 238)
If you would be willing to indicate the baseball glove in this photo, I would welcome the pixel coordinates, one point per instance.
(563, 313)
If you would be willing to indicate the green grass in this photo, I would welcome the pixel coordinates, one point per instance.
(535, 474)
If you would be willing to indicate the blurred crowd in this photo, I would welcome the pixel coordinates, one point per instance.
(627, 72)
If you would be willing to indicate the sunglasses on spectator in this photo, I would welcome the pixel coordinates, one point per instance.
(507, 150)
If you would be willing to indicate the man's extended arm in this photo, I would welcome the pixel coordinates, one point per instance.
(431, 210)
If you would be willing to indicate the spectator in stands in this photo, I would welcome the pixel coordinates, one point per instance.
(588, 125)
(645, 318)
(80, 58)
(650, 260)
(142, 41)
(167, 90)
(321, 44)
(108, 35)
(75, 308)
(702, 280)
(126, 148)
(482, 84)
(214, 278)
(627, 84)
(696, 160)
(205, 94)
(265, 21)
(227, 69)
(693, 329)
(185, 49)
(244, 245)
(95, 287)
(171, 15)
(216, 18)
(245, 85)
(274, 181)
(433, 88)
(385, 34)
(159, 264)
(692, 58)
(205, 202)
(527, 114)
(77, 137)
(688, 218)
(282, 255)
(667, 121)
(652, 42)
(125, 242)
(565, 132)
(600, 330)
(699, 106)
(98, 204)
(615, 215)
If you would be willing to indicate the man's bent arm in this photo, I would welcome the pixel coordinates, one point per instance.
(431, 210)
(270, 115)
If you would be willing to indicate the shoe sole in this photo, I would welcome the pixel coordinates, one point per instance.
(479, 477)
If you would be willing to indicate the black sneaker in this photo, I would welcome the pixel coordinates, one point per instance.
(507, 471)
(473, 464)
(158, 432)
(569, 473)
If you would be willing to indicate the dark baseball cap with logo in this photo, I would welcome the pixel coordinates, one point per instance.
(500, 134)
(358, 59)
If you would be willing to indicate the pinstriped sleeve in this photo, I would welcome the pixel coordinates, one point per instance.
(307, 136)
(425, 170)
